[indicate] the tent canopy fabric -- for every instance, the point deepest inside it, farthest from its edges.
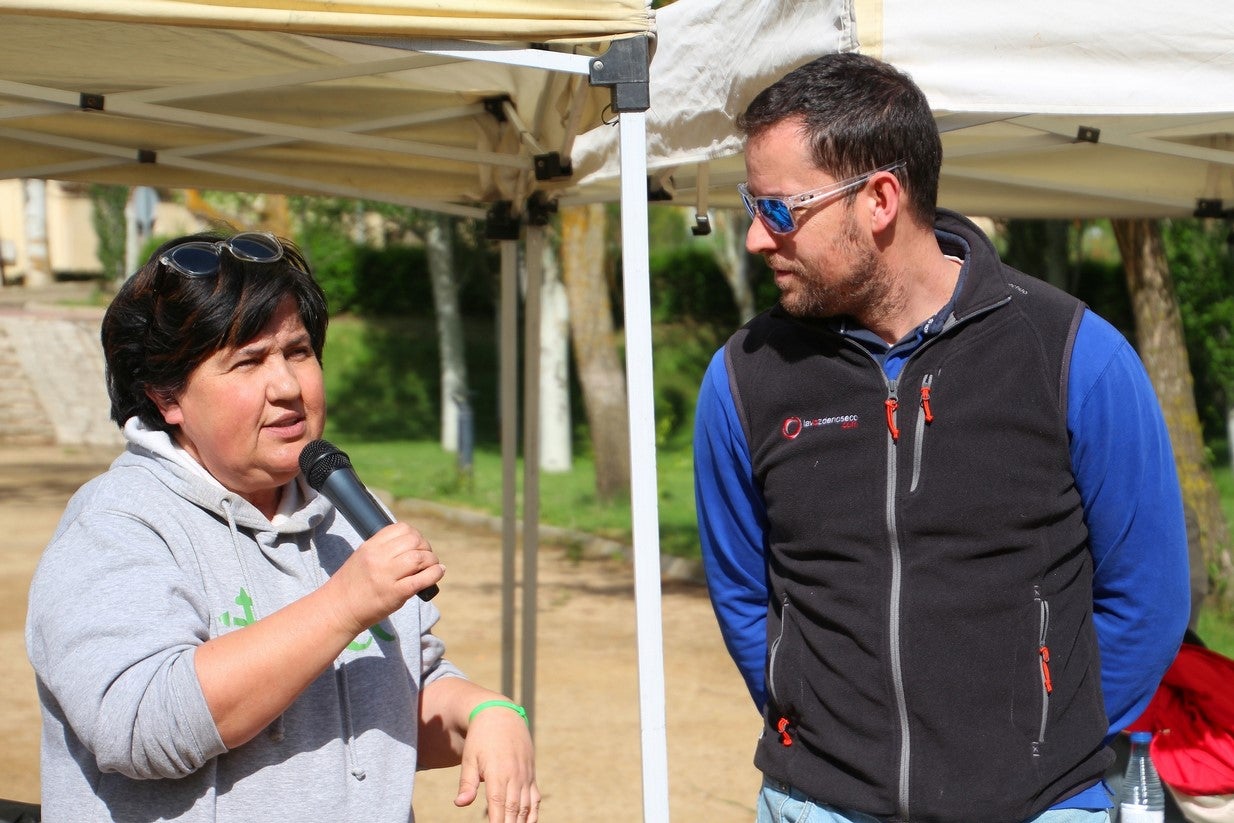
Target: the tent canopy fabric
(536, 20)
(362, 100)
(1109, 108)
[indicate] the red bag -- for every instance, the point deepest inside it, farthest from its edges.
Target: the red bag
(1192, 718)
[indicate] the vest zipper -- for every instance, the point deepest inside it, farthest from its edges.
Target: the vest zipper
(891, 404)
(894, 598)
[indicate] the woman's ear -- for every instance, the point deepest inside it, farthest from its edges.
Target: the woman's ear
(167, 406)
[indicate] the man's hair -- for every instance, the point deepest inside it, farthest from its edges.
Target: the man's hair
(162, 325)
(858, 113)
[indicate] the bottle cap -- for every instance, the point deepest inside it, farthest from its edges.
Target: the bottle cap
(1141, 737)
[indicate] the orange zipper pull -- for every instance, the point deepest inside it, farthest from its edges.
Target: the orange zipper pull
(925, 404)
(892, 404)
(782, 728)
(1045, 669)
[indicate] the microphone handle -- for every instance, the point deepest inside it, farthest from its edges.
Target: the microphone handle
(344, 489)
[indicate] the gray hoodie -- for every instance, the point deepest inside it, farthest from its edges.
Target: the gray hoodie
(154, 558)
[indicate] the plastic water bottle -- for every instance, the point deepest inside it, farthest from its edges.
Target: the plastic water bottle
(1142, 797)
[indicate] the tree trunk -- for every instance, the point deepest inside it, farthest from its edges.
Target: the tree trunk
(595, 346)
(38, 260)
(730, 253)
(439, 249)
(1040, 247)
(556, 453)
(1159, 336)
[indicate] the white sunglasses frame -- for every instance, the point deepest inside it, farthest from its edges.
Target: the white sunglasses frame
(793, 202)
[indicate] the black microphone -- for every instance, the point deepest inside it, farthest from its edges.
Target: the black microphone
(328, 470)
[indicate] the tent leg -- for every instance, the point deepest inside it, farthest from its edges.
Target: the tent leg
(644, 496)
(534, 261)
(508, 333)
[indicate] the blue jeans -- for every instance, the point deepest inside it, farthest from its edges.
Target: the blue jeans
(783, 804)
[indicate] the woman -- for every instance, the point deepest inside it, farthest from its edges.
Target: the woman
(212, 640)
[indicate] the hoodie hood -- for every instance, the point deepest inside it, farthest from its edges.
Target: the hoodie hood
(301, 508)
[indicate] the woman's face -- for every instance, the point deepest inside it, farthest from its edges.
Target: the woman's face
(247, 412)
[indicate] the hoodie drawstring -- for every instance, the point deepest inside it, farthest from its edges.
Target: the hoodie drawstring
(277, 729)
(340, 675)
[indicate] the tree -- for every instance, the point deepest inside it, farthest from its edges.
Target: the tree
(730, 251)
(595, 346)
(1042, 248)
(556, 453)
(1159, 336)
(455, 391)
(110, 228)
(38, 266)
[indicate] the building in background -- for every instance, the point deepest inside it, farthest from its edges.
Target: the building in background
(71, 247)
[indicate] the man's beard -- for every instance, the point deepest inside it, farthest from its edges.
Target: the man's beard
(862, 292)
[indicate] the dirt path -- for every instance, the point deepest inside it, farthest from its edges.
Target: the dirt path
(587, 725)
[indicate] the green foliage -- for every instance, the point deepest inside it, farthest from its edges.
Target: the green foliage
(382, 377)
(682, 352)
(107, 217)
(389, 276)
(686, 282)
(391, 282)
(1203, 275)
(374, 387)
(331, 255)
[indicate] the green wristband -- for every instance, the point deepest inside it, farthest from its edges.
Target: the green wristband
(505, 704)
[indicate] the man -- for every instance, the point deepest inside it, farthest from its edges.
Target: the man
(940, 519)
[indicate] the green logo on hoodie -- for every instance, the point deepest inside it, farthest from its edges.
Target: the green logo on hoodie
(245, 602)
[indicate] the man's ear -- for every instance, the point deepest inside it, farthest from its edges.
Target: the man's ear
(886, 199)
(167, 406)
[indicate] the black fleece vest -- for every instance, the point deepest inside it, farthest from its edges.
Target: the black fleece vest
(931, 652)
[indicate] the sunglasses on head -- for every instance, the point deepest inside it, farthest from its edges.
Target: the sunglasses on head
(202, 258)
(777, 212)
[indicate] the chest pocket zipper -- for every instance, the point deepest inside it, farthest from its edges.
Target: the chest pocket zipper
(925, 418)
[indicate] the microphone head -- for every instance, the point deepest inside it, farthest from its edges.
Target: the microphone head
(318, 459)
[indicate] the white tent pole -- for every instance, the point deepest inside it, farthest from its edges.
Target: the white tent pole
(508, 334)
(644, 504)
(534, 262)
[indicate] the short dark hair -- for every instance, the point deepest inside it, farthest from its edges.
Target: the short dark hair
(858, 113)
(162, 325)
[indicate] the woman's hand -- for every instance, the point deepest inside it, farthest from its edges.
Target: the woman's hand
(381, 575)
(492, 745)
(498, 751)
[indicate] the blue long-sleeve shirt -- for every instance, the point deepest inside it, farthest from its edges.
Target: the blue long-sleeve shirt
(1124, 469)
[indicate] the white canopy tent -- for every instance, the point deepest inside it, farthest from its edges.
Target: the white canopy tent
(465, 107)
(1108, 108)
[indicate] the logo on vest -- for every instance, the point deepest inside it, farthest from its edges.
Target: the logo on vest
(792, 427)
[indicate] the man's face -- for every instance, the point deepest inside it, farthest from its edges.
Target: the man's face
(829, 265)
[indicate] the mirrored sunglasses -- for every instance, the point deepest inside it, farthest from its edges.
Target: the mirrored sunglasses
(202, 258)
(777, 212)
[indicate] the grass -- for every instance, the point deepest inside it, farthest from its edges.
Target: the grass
(420, 469)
